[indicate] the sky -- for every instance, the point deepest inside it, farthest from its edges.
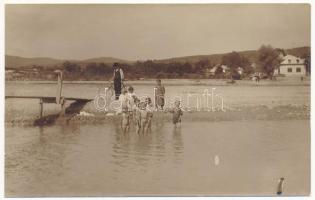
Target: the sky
(140, 32)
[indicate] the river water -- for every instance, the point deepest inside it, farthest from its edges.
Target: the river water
(202, 158)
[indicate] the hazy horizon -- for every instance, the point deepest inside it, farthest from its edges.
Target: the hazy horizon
(141, 59)
(141, 32)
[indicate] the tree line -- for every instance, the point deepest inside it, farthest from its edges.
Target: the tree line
(138, 70)
(267, 60)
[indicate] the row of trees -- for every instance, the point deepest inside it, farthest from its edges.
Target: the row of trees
(147, 69)
(234, 61)
(266, 60)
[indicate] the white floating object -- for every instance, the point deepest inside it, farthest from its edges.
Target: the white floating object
(83, 113)
(216, 160)
(110, 114)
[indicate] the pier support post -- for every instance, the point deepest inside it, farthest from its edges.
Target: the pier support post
(63, 108)
(41, 107)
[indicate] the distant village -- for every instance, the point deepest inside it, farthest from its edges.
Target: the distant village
(290, 66)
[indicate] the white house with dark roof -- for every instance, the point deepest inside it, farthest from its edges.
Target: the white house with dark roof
(291, 66)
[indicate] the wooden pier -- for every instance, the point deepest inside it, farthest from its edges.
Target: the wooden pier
(58, 99)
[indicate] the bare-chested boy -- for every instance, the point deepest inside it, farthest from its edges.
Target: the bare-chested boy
(141, 118)
(177, 114)
(124, 109)
(150, 109)
(131, 98)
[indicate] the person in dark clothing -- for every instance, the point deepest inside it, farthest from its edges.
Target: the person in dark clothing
(118, 78)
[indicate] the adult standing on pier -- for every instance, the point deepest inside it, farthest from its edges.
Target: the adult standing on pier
(118, 80)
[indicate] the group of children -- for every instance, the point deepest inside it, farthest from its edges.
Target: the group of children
(140, 113)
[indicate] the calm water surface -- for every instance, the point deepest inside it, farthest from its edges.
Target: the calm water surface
(219, 158)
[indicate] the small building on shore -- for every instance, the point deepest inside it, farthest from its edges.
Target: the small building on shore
(291, 66)
(240, 70)
(211, 71)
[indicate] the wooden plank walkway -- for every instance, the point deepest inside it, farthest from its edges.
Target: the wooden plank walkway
(48, 98)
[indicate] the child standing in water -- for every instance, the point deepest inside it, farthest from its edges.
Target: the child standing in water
(131, 98)
(177, 113)
(141, 118)
(131, 95)
(150, 109)
(124, 109)
(135, 111)
(159, 93)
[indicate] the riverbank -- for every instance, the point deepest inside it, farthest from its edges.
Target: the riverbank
(281, 81)
(241, 102)
(250, 113)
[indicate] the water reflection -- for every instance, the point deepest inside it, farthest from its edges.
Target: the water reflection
(100, 160)
(129, 150)
(134, 155)
(42, 139)
(178, 145)
(37, 155)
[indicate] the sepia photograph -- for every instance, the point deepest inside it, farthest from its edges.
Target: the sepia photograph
(124, 100)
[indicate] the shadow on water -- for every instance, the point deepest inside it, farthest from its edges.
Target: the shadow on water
(73, 109)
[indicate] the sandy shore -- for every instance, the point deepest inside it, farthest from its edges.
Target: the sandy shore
(283, 99)
(287, 112)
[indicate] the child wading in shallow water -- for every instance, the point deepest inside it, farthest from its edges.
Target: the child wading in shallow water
(135, 111)
(159, 95)
(131, 98)
(125, 107)
(141, 118)
(150, 109)
(177, 113)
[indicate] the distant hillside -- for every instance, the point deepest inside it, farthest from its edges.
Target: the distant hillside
(192, 59)
(106, 60)
(17, 61)
(299, 52)
(216, 58)
(252, 55)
